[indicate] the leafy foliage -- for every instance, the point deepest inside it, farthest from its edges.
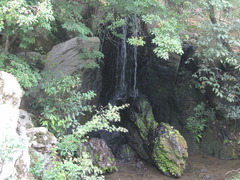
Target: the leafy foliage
(216, 43)
(76, 168)
(170, 22)
(166, 35)
(59, 103)
(102, 120)
(165, 30)
(26, 75)
(197, 123)
(69, 14)
(77, 161)
(20, 18)
(37, 165)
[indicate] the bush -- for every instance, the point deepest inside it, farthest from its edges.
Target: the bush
(197, 123)
(76, 160)
(26, 75)
(59, 102)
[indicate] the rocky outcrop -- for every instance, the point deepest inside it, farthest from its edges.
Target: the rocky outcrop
(14, 157)
(156, 143)
(220, 138)
(169, 151)
(41, 142)
(76, 56)
(102, 155)
(157, 79)
(126, 153)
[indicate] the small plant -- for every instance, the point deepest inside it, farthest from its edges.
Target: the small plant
(197, 123)
(37, 165)
(9, 145)
(74, 169)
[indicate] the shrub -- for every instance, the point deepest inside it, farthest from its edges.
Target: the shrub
(59, 102)
(197, 123)
(76, 160)
(26, 75)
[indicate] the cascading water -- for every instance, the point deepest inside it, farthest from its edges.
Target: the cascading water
(121, 86)
(127, 63)
(135, 50)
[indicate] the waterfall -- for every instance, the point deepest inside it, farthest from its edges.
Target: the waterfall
(121, 84)
(135, 50)
(123, 56)
(127, 61)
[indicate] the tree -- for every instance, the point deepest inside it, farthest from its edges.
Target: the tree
(217, 44)
(19, 19)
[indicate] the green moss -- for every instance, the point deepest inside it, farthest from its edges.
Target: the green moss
(111, 159)
(96, 157)
(109, 169)
(145, 121)
(166, 165)
(169, 152)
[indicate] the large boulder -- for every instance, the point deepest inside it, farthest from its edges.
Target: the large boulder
(68, 58)
(14, 157)
(169, 151)
(156, 143)
(76, 56)
(141, 126)
(102, 155)
(41, 145)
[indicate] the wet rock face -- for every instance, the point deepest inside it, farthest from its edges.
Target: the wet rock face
(126, 153)
(102, 155)
(169, 151)
(157, 78)
(14, 157)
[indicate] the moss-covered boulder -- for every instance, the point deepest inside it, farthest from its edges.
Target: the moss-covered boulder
(169, 151)
(144, 119)
(156, 143)
(102, 155)
(140, 122)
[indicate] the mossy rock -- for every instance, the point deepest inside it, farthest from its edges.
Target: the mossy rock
(102, 156)
(144, 118)
(221, 141)
(169, 151)
(126, 153)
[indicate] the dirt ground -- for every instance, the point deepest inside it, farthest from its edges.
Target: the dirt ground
(198, 167)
